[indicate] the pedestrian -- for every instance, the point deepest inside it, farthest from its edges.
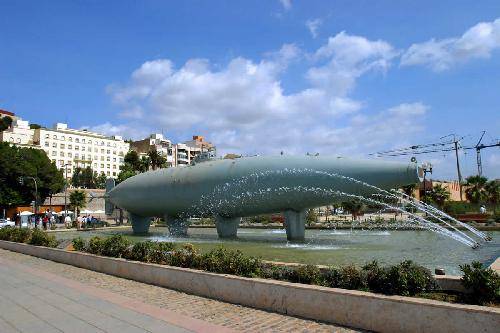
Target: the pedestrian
(67, 221)
(45, 220)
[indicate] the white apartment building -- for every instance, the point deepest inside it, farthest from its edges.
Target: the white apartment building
(80, 148)
(180, 154)
(19, 133)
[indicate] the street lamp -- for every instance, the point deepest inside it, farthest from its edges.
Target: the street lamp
(21, 181)
(427, 168)
(65, 189)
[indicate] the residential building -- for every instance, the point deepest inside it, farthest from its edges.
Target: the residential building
(155, 142)
(5, 113)
(180, 154)
(19, 133)
(82, 148)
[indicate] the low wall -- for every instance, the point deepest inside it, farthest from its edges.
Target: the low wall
(346, 307)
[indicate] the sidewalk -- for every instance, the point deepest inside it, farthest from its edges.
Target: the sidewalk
(36, 301)
(38, 295)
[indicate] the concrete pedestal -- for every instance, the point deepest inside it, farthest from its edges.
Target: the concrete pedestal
(177, 226)
(140, 224)
(227, 227)
(295, 224)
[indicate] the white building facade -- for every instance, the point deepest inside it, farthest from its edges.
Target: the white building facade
(19, 133)
(70, 148)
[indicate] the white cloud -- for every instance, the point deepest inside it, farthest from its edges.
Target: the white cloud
(287, 4)
(313, 26)
(348, 57)
(439, 55)
(242, 107)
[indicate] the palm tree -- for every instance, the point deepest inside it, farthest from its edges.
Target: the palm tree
(410, 189)
(354, 207)
(156, 160)
(475, 191)
(78, 200)
(492, 189)
(439, 195)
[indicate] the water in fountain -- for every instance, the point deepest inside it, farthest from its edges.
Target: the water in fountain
(215, 203)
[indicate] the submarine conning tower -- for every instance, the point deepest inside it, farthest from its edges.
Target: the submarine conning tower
(229, 189)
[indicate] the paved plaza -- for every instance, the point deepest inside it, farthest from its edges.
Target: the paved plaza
(38, 295)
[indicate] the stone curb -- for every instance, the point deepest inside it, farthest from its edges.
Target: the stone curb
(352, 308)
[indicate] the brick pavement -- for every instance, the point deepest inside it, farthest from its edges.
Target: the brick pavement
(213, 312)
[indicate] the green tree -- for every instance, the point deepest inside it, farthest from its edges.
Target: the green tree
(476, 191)
(5, 123)
(492, 189)
(83, 178)
(311, 217)
(355, 207)
(100, 180)
(132, 159)
(438, 195)
(78, 200)
(156, 160)
(16, 162)
(410, 189)
(35, 126)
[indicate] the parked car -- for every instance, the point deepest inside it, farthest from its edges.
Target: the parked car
(6, 223)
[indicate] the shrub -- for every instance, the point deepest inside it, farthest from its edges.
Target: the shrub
(309, 274)
(6, 233)
(222, 260)
(187, 256)
(156, 252)
(115, 246)
(79, 244)
(375, 276)
(351, 278)
(483, 282)
(95, 245)
(332, 277)
(282, 273)
(408, 279)
(20, 235)
(42, 238)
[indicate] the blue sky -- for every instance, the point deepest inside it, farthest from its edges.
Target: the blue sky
(342, 77)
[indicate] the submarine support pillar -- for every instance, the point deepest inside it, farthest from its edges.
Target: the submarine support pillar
(177, 226)
(295, 224)
(140, 224)
(227, 227)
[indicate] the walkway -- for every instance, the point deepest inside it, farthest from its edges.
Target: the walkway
(38, 295)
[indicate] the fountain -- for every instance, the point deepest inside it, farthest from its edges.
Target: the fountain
(229, 189)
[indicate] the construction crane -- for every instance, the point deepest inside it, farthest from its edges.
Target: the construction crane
(478, 148)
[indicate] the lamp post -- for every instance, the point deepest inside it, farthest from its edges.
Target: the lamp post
(65, 189)
(427, 169)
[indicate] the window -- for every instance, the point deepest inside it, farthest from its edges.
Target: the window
(95, 165)
(54, 137)
(62, 146)
(96, 150)
(114, 159)
(108, 151)
(70, 155)
(89, 149)
(102, 151)
(102, 165)
(102, 143)
(77, 156)
(109, 144)
(70, 139)
(46, 142)
(121, 160)
(54, 153)
(114, 173)
(63, 137)
(114, 152)
(102, 158)
(70, 146)
(90, 142)
(108, 166)
(18, 140)
(77, 147)
(77, 140)
(83, 157)
(83, 140)
(95, 157)
(47, 136)
(108, 159)
(61, 154)
(108, 173)
(114, 166)
(54, 145)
